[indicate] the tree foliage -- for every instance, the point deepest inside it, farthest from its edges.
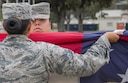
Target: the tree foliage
(80, 8)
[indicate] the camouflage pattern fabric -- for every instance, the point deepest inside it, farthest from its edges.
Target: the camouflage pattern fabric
(40, 10)
(25, 61)
(18, 10)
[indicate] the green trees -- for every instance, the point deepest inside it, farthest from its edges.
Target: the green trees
(62, 9)
(79, 8)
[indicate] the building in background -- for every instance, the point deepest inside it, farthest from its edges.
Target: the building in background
(29, 1)
(112, 19)
(121, 4)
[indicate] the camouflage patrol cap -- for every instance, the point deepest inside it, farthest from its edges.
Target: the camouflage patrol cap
(18, 10)
(40, 10)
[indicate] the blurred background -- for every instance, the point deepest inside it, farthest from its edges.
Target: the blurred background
(84, 15)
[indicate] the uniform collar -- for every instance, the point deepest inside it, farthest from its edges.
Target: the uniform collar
(17, 37)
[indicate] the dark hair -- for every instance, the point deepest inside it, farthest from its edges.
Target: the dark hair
(16, 26)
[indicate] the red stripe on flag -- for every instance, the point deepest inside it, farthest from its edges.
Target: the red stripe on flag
(2, 36)
(125, 38)
(70, 40)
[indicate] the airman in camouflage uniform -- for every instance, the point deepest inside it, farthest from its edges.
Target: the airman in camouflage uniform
(25, 61)
(40, 13)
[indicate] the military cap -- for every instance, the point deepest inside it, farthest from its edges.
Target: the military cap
(18, 10)
(40, 10)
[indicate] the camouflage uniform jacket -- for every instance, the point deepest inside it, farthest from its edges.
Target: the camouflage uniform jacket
(25, 61)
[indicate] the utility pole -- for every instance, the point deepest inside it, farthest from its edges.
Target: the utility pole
(17, 1)
(6, 1)
(33, 1)
(29, 1)
(23, 0)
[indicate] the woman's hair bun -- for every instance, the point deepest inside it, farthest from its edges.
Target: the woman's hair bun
(13, 23)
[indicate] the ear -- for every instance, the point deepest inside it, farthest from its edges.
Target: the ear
(28, 30)
(3, 26)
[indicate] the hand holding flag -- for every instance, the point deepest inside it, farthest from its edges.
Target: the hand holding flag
(112, 36)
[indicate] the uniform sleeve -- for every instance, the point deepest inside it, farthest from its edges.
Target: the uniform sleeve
(66, 62)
